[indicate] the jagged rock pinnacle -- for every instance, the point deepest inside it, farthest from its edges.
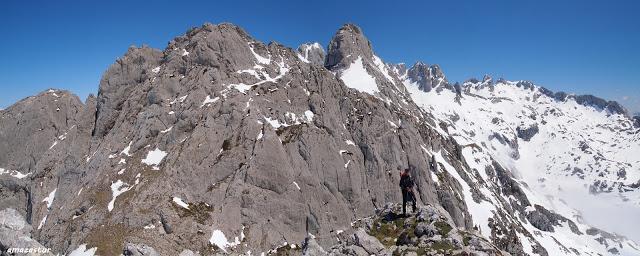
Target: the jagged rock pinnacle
(347, 44)
(427, 76)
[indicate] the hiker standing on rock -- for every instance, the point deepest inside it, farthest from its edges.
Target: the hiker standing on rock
(406, 185)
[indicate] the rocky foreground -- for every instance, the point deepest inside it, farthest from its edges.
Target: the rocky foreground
(428, 231)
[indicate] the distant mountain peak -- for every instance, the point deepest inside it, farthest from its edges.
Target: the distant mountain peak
(427, 76)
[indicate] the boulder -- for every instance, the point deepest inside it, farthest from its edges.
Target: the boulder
(368, 243)
(132, 249)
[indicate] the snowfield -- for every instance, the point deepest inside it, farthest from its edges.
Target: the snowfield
(575, 160)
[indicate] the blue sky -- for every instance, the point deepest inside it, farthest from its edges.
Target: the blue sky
(584, 47)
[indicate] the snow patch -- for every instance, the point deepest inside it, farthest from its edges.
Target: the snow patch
(260, 59)
(179, 99)
(137, 178)
(241, 87)
(83, 251)
(167, 130)
(208, 100)
(117, 189)
(49, 198)
(218, 239)
(13, 173)
(274, 122)
(357, 77)
(126, 150)
(54, 144)
(181, 203)
(383, 68)
(309, 115)
(252, 72)
(44, 220)
(154, 157)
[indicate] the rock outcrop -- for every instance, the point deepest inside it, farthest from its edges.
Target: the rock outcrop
(428, 231)
(526, 133)
(15, 233)
(588, 100)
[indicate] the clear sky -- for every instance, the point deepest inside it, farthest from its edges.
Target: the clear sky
(584, 47)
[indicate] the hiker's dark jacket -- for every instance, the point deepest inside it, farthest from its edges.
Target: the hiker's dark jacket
(406, 182)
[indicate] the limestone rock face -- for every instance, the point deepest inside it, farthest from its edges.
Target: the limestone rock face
(254, 143)
(243, 142)
(347, 44)
(36, 133)
(119, 81)
(15, 233)
(33, 125)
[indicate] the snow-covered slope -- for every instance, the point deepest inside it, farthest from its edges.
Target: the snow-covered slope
(579, 161)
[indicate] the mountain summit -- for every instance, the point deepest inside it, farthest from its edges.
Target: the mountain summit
(220, 144)
(346, 45)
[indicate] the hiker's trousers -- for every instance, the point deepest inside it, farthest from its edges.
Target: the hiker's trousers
(408, 196)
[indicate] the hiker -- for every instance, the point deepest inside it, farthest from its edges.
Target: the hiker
(406, 185)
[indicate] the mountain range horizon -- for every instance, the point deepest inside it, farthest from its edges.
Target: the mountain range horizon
(582, 47)
(630, 111)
